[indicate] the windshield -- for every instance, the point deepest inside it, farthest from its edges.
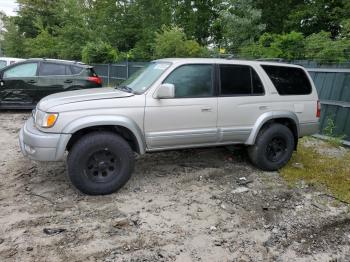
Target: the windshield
(141, 80)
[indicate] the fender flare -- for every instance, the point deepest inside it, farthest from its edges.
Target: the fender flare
(104, 120)
(269, 116)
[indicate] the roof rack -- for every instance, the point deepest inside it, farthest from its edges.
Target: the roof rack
(280, 60)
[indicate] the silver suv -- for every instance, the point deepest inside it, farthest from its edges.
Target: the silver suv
(173, 104)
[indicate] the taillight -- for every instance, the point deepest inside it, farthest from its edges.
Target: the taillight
(318, 112)
(95, 79)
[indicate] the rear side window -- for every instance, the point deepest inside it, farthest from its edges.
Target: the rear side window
(237, 80)
(51, 69)
(288, 80)
(91, 72)
(87, 72)
(76, 70)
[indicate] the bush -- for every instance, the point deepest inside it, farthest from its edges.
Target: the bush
(99, 52)
(322, 48)
(288, 46)
(172, 42)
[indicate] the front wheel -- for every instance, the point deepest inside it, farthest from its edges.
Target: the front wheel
(273, 148)
(100, 163)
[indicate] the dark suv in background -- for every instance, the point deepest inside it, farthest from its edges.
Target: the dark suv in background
(23, 84)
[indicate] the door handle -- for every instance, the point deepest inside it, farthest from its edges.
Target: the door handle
(206, 109)
(31, 81)
(68, 81)
(263, 107)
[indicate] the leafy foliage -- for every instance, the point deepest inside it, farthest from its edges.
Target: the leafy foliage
(172, 42)
(143, 30)
(99, 52)
(287, 46)
(241, 24)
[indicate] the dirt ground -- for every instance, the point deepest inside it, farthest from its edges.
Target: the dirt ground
(189, 205)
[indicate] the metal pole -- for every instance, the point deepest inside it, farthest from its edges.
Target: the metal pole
(127, 67)
(108, 73)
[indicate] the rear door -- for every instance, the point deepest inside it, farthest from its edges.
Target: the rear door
(18, 85)
(53, 78)
(241, 101)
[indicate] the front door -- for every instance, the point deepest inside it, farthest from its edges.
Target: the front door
(188, 119)
(18, 85)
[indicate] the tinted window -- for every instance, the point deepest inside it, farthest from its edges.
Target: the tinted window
(192, 80)
(23, 70)
(76, 70)
(50, 69)
(288, 80)
(239, 80)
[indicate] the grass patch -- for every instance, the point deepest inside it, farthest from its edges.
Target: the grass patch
(320, 170)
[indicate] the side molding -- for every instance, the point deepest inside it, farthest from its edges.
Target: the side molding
(101, 120)
(268, 116)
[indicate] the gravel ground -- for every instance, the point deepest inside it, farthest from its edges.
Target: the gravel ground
(189, 205)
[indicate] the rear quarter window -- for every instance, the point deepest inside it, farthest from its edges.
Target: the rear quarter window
(76, 70)
(87, 72)
(289, 80)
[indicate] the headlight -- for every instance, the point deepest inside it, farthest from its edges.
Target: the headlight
(44, 119)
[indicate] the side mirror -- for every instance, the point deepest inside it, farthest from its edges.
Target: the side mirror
(165, 91)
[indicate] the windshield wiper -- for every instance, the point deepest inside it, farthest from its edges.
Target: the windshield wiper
(125, 88)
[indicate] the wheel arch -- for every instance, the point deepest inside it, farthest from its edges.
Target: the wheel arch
(123, 126)
(287, 118)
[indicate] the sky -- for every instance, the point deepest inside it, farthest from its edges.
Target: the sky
(8, 6)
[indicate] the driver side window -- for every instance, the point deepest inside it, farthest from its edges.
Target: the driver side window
(23, 70)
(192, 80)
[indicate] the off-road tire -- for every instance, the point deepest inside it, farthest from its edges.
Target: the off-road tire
(260, 153)
(100, 163)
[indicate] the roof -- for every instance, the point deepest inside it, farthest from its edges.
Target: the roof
(224, 61)
(60, 61)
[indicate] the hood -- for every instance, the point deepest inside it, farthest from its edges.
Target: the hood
(79, 96)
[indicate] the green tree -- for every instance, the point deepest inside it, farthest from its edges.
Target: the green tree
(43, 45)
(99, 52)
(240, 24)
(172, 42)
(197, 18)
(274, 13)
(73, 31)
(321, 47)
(29, 12)
(13, 42)
(311, 17)
(287, 46)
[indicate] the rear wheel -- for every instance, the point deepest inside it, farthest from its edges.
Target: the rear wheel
(273, 148)
(100, 163)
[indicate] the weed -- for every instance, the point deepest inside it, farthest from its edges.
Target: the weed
(335, 140)
(321, 171)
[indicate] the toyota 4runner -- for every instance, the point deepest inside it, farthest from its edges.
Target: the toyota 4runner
(174, 104)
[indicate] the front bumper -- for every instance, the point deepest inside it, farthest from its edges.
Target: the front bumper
(42, 146)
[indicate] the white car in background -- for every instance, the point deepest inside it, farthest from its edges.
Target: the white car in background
(6, 61)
